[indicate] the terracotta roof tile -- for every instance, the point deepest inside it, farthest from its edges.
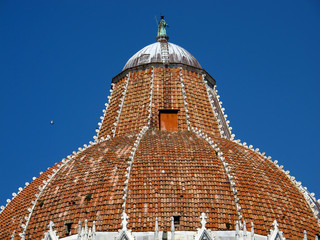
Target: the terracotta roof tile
(172, 173)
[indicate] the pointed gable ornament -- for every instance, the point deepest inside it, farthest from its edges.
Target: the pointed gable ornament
(51, 234)
(205, 236)
(124, 233)
(203, 233)
(203, 220)
(275, 234)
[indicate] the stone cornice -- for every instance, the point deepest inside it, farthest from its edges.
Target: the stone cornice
(209, 78)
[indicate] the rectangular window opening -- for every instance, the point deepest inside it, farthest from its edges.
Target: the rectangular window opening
(68, 229)
(176, 220)
(168, 119)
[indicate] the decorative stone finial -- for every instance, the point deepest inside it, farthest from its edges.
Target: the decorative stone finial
(162, 32)
(94, 227)
(50, 235)
(51, 225)
(203, 220)
(79, 229)
(172, 228)
(237, 231)
(245, 229)
(86, 233)
(275, 225)
(156, 229)
(252, 230)
(124, 222)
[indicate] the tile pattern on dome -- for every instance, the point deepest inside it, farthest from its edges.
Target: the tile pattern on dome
(88, 187)
(157, 96)
(167, 95)
(111, 114)
(199, 108)
(178, 174)
(13, 215)
(266, 194)
(134, 114)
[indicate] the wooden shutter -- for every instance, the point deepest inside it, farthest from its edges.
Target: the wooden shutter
(168, 120)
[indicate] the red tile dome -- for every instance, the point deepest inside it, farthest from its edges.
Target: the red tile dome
(173, 173)
(164, 148)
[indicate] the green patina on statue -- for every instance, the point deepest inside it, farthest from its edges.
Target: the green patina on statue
(162, 33)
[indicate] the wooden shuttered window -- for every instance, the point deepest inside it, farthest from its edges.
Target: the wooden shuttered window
(168, 120)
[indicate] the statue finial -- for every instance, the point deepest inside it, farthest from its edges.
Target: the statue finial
(162, 33)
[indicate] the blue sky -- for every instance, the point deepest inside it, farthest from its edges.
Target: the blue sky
(57, 60)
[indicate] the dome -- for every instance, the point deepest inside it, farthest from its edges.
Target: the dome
(173, 173)
(152, 54)
(164, 164)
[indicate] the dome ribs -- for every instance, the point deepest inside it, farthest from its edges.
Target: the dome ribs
(167, 99)
(266, 194)
(134, 173)
(123, 98)
(89, 187)
(151, 97)
(128, 172)
(135, 110)
(13, 215)
(218, 111)
(181, 176)
(113, 108)
(199, 109)
(104, 114)
(185, 104)
(192, 166)
(158, 88)
(230, 176)
(157, 96)
(170, 80)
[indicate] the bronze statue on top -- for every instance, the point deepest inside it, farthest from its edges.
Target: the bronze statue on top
(162, 33)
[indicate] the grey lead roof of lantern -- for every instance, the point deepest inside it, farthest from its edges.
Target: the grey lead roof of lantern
(152, 54)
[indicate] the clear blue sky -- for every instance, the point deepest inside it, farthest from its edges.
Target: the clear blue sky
(57, 59)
